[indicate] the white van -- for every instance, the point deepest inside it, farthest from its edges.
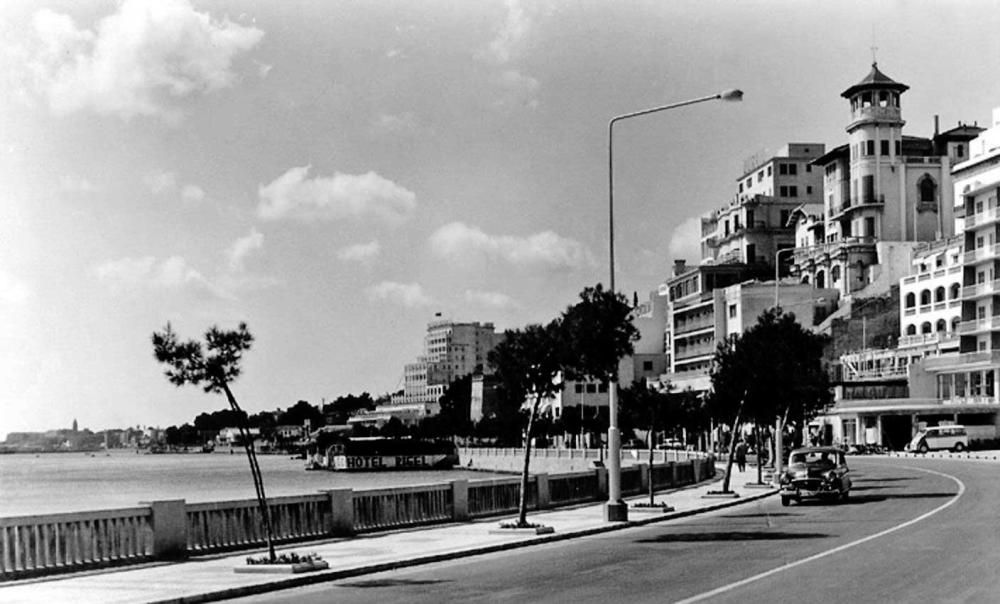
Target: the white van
(954, 438)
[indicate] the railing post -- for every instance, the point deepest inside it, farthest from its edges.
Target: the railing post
(673, 473)
(643, 477)
(696, 469)
(544, 499)
(169, 523)
(341, 512)
(460, 500)
(602, 481)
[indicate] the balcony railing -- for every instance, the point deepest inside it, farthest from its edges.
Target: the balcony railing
(981, 289)
(978, 325)
(982, 253)
(990, 215)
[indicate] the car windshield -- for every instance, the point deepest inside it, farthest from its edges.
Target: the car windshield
(814, 458)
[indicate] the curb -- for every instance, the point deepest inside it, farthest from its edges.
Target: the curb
(335, 575)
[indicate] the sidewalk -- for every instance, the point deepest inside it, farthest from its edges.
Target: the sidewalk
(212, 578)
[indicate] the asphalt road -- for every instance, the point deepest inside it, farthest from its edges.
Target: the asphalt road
(915, 530)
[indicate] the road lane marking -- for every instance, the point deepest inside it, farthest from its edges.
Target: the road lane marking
(726, 588)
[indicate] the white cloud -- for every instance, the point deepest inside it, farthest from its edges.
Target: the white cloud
(263, 69)
(395, 123)
(13, 291)
(511, 38)
(161, 181)
(137, 61)
(73, 184)
(685, 241)
(495, 300)
(192, 193)
(238, 252)
(516, 89)
(138, 273)
(410, 295)
(294, 194)
(361, 252)
(459, 242)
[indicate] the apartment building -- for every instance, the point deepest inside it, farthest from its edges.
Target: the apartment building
(883, 191)
(755, 224)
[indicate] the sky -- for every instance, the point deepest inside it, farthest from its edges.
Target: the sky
(335, 173)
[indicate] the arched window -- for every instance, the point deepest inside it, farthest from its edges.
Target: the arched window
(939, 294)
(926, 327)
(835, 274)
(942, 326)
(925, 297)
(911, 330)
(954, 324)
(927, 189)
(911, 300)
(805, 279)
(821, 279)
(956, 291)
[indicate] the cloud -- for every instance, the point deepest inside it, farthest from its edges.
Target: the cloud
(147, 273)
(410, 295)
(685, 241)
(362, 252)
(139, 60)
(263, 69)
(459, 242)
(192, 193)
(238, 252)
(13, 291)
(160, 181)
(72, 184)
(294, 194)
(495, 300)
(511, 38)
(516, 89)
(400, 123)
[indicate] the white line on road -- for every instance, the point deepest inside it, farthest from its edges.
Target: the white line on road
(725, 588)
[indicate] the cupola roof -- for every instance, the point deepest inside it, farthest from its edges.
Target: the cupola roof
(875, 80)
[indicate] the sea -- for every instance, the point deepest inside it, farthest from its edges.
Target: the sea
(48, 483)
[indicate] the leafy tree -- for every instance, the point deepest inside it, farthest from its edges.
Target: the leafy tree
(598, 333)
(393, 428)
(297, 414)
(456, 407)
(213, 365)
(528, 363)
(772, 370)
(343, 407)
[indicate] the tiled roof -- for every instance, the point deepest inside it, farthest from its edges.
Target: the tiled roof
(874, 79)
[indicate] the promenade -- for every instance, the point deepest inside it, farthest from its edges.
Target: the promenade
(212, 578)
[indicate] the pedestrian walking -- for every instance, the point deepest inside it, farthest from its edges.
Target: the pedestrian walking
(741, 455)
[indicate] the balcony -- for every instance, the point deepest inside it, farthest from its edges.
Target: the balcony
(987, 217)
(688, 353)
(928, 339)
(988, 252)
(981, 289)
(962, 361)
(685, 327)
(979, 325)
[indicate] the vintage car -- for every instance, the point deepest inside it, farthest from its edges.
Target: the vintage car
(815, 472)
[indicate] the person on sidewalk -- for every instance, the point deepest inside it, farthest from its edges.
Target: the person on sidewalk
(741, 456)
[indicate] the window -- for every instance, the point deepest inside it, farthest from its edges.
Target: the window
(793, 191)
(926, 327)
(732, 311)
(911, 330)
(749, 182)
(939, 294)
(809, 190)
(760, 176)
(809, 168)
(769, 170)
(927, 189)
(959, 151)
(602, 387)
(835, 274)
(783, 191)
(793, 169)
(647, 365)
(869, 147)
(899, 148)
(884, 147)
(942, 326)
(870, 226)
(955, 291)
(868, 188)
(911, 300)
(591, 388)
(925, 297)
(578, 388)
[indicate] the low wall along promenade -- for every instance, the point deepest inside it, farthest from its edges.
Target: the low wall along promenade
(162, 530)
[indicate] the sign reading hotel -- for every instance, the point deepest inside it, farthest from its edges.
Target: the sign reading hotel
(386, 462)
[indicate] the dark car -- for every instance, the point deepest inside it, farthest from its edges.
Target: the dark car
(819, 472)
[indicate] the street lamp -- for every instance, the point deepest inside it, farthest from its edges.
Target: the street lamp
(778, 427)
(616, 510)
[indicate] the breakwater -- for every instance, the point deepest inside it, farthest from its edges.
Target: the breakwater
(53, 543)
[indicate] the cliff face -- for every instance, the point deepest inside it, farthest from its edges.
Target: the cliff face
(872, 323)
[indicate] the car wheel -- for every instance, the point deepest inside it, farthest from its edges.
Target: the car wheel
(785, 501)
(959, 447)
(923, 448)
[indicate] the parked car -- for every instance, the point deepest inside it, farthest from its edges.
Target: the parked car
(670, 443)
(818, 472)
(937, 438)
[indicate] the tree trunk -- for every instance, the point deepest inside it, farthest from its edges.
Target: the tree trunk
(758, 442)
(732, 447)
(522, 506)
(258, 480)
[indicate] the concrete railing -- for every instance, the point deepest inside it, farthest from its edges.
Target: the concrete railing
(161, 530)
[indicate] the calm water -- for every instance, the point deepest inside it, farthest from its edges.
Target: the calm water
(68, 482)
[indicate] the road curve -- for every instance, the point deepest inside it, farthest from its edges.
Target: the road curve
(911, 532)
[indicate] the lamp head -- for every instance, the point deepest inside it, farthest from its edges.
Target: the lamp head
(733, 94)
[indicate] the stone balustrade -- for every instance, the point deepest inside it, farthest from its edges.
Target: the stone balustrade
(159, 530)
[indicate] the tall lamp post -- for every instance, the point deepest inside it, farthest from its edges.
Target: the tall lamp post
(616, 510)
(778, 427)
